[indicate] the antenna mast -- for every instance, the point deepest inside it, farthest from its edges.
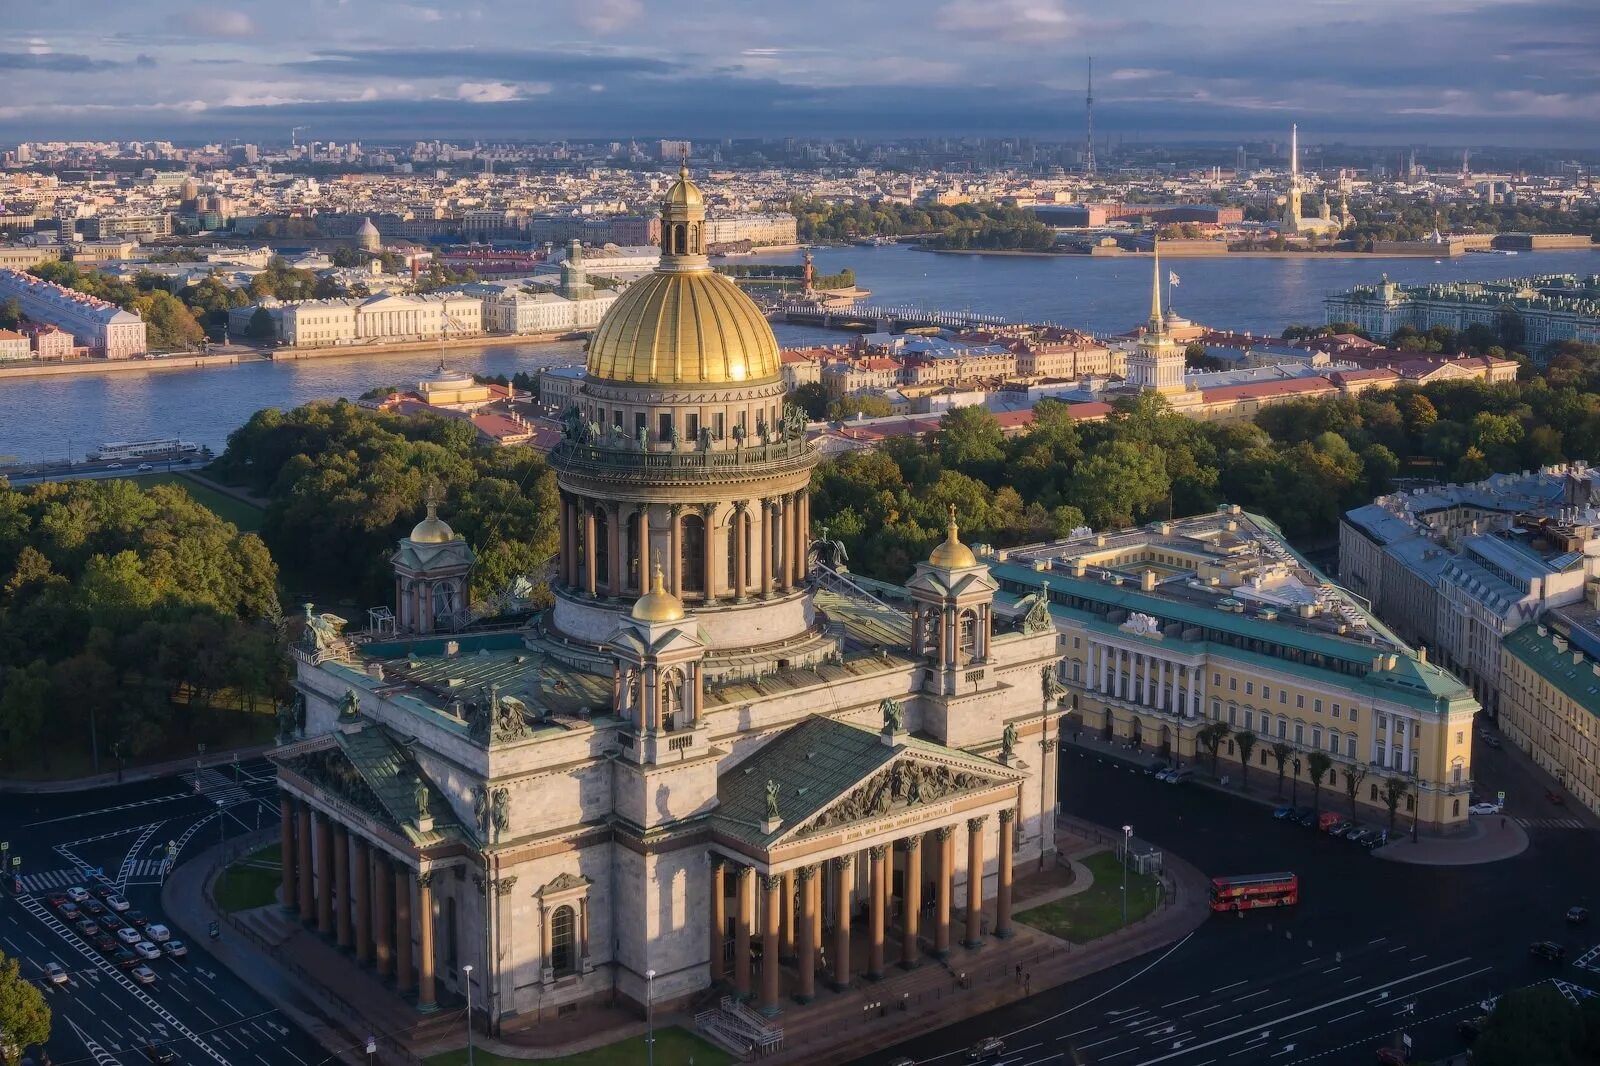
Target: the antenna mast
(1088, 109)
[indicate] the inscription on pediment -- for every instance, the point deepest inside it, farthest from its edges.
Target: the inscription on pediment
(903, 785)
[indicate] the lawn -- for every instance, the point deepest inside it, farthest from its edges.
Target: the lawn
(250, 882)
(241, 514)
(1097, 910)
(674, 1047)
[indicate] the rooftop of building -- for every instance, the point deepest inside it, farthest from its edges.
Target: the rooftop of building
(1554, 653)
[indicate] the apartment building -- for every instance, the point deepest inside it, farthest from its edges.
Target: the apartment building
(105, 329)
(1550, 698)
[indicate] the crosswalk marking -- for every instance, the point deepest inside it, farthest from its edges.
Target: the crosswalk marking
(33, 884)
(218, 787)
(1550, 823)
(1589, 960)
(145, 871)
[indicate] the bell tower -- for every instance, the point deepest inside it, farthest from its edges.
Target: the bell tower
(683, 225)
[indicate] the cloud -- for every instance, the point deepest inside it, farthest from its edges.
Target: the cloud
(479, 63)
(1007, 20)
(61, 62)
(498, 92)
(607, 16)
(214, 22)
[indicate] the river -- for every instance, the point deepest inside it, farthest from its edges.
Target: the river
(58, 417)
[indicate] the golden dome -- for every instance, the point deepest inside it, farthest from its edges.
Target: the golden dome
(692, 327)
(952, 554)
(658, 605)
(432, 530)
(684, 192)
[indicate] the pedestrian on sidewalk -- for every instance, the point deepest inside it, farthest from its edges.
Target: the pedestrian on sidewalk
(1019, 973)
(1027, 983)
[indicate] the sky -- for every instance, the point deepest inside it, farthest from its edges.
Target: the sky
(1445, 72)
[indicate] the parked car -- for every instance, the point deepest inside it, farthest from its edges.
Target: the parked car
(143, 974)
(125, 959)
(55, 973)
(106, 942)
(1305, 816)
(1555, 797)
(159, 1053)
(56, 899)
(129, 935)
(1577, 915)
(116, 903)
(157, 932)
(93, 908)
(143, 467)
(1349, 829)
(69, 912)
(87, 928)
(1179, 776)
(77, 893)
(1392, 1056)
(135, 918)
(1166, 775)
(1547, 950)
(1484, 808)
(111, 921)
(990, 1047)
(1156, 769)
(1335, 826)
(1282, 812)
(146, 950)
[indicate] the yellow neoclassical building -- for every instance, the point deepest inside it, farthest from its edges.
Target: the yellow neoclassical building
(1170, 627)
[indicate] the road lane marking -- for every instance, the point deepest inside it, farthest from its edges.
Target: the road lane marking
(1297, 1032)
(1377, 940)
(1342, 1017)
(1175, 1002)
(1116, 1054)
(1269, 1006)
(1331, 1003)
(1353, 980)
(1222, 1021)
(1035, 1062)
(1236, 984)
(1418, 958)
(1250, 995)
(1330, 969)
(1202, 1010)
(1097, 1043)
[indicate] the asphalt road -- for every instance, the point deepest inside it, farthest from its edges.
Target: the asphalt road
(119, 835)
(1374, 949)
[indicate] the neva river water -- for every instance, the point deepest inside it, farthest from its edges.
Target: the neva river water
(44, 418)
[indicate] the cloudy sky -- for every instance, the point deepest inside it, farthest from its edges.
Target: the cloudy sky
(1389, 71)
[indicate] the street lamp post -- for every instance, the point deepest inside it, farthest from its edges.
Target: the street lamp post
(1127, 838)
(650, 1017)
(467, 969)
(372, 1050)
(222, 840)
(1294, 786)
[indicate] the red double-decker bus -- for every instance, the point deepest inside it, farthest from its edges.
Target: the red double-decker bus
(1249, 891)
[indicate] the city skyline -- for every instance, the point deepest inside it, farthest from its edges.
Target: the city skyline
(1447, 71)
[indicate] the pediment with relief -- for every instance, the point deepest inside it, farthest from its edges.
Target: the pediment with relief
(899, 787)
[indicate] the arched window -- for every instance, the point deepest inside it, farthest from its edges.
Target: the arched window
(444, 601)
(563, 938)
(602, 549)
(692, 557)
(969, 634)
(1455, 808)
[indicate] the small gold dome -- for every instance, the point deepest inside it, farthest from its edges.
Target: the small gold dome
(658, 605)
(952, 554)
(684, 192)
(432, 530)
(686, 328)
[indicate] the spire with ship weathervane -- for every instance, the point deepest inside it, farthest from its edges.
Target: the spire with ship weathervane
(1155, 286)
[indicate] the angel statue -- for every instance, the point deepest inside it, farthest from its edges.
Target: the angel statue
(480, 809)
(502, 811)
(893, 715)
(1008, 742)
(420, 798)
(351, 706)
(772, 800)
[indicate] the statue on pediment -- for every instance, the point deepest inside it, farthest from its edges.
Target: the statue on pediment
(1142, 625)
(505, 716)
(1037, 617)
(894, 713)
(1008, 742)
(794, 422)
(419, 798)
(501, 814)
(772, 801)
(1051, 683)
(480, 810)
(350, 706)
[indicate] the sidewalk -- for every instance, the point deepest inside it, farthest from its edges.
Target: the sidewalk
(211, 760)
(1489, 838)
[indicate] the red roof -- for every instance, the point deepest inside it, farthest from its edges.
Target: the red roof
(1088, 412)
(1377, 373)
(1257, 390)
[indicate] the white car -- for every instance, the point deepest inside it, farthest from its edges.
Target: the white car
(143, 974)
(129, 935)
(1484, 808)
(144, 467)
(146, 950)
(175, 948)
(116, 903)
(78, 894)
(54, 973)
(158, 933)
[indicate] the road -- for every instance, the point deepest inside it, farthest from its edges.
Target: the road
(1374, 949)
(118, 836)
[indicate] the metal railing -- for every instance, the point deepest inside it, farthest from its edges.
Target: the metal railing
(777, 457)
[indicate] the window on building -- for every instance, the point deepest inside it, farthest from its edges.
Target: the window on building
(1352, 714)
(1283, 697)
(1249, 688)
(1336, 710)
(1216, 679)
(1283, 728)
(1411, 802)
(1333, 779)
(1299, 700)
(1316, 737)
(693, 428)
(1333, 743)
(1264, 754)
(1458, 736)
(1316, 706)
(1455, 808)
(1074, 642)
(1374, 793)
(1266, 692)
(1233, 684)
(1249, 719)
(563, 941)
(664, 428)
(640, 424)
(1350, 747)
(717, 425)
(1216, 710)
(1299, 732)
(1075, 666)
(1233, 716)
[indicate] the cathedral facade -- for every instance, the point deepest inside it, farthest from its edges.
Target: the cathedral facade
(715, 760)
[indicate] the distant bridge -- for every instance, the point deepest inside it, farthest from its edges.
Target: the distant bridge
(886, 319)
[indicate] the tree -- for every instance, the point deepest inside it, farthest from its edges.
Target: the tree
(10, 314)
(1247, 744)
(24, 1017)
(1212, 734)
(1280, 755)
(970, 436)
(168, 323)
(262, 327)
(1353, 776)
(866, 404)
(1117, 485)
(1317, 766)
(812, 398)
(1394, 790)
(1536, 1024)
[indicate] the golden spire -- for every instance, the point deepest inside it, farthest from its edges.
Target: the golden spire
(658, 605)
(1155, 286)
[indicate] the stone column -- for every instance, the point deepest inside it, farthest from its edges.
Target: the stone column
(569, 543)
(1002, 913)
(287, 890)
(739, 531)
(362, 879)
(771, 924)
(591, 583)
(425, 1000)
(878, 888)
(841, 929)
(805, 531)
(788, 915)
(303, 863)
(708, 517)
(784, 533)
(383, 913)
(615, 567)
(719, 916)
(341, 881)
(745, 886)
(944, 840)
(645, 576)
(912, 920)
(405, 976)
(768, 514)
(975, 882)
(324, 875)
(806, 946)
(675, 549)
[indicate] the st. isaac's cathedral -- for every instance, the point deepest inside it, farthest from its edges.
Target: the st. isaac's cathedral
(715, 760)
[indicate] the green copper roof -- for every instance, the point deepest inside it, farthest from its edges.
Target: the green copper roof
(1576, 680)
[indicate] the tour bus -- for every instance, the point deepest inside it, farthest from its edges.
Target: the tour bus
(1249, 891)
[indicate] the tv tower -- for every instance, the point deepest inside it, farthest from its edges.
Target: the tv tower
(1088, 111)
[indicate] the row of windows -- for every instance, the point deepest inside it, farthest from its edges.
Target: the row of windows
(691, 423)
